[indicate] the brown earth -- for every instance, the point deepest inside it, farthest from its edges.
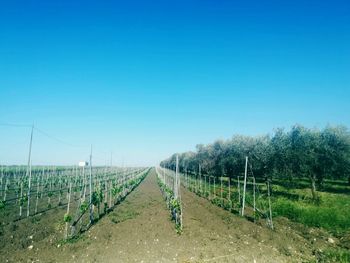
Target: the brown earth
(140, 230)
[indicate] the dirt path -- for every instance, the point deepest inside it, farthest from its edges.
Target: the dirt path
(140, 230)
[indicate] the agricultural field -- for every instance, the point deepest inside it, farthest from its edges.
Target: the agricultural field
(299, 177)
(139, 225)
(249, 199)
(175, 131)
(60, 201)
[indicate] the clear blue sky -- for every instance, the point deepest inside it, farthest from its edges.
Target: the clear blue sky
(145, 79)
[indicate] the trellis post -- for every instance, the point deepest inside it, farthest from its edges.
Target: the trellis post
(29, 170)
(91, 210)
(244, 185)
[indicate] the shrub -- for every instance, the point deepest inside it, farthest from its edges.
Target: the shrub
(83, 207)
(67, 218)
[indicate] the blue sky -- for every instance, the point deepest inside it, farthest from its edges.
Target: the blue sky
(145, 79)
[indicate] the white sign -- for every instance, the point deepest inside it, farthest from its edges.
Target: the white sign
(82, 164)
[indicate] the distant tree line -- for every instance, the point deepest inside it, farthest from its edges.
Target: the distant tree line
(300, 152)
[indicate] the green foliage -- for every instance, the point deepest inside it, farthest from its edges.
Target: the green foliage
(216, 201)
(83, 207)
(2, 205)
(67, 218)
(226, 204)
(116, 190)
(332, 215)
(299, 152)
(72, 240)
(333, 256)
(131, 183)
(97, 197)
(329, 211)
(175, 204)
(178, 229)
(23, 200)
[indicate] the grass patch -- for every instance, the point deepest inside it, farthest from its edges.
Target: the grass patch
(293, 200)
(333, 212)
(333, 256)
(71, 240)
(123, 215)
(35, 219)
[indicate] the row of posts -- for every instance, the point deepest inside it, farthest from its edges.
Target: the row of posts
(242, 200)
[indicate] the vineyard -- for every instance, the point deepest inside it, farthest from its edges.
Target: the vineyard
(163, 213)
(47, 188)
(170, 188)
(174, 131)
(185, 210)
(243, 197)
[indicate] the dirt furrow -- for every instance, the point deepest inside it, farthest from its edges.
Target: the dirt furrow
(140, 230)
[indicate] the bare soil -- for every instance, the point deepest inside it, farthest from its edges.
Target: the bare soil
(140, 230)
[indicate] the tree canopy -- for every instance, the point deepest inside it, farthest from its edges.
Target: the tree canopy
(299, 152)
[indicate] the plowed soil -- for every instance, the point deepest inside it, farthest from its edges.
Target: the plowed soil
(140, 230)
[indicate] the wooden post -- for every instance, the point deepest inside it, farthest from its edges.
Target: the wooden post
(244, 185)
